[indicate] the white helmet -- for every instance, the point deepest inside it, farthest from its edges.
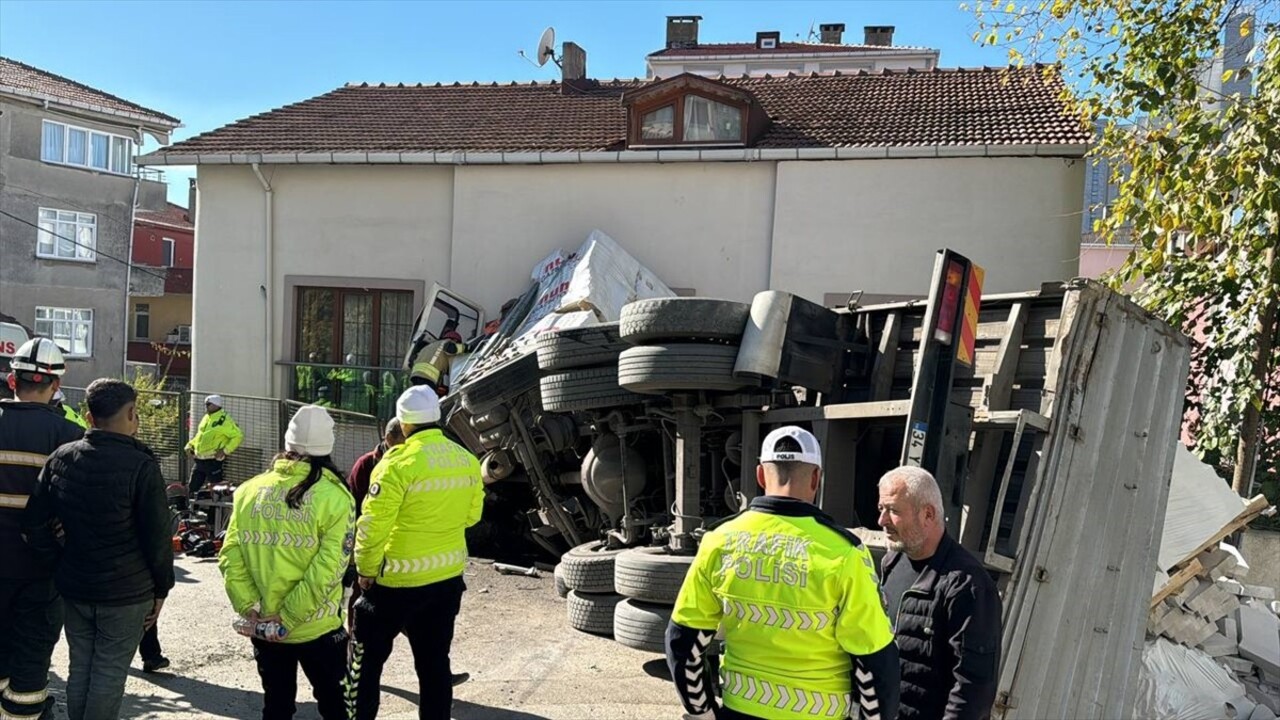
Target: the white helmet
(39, 355)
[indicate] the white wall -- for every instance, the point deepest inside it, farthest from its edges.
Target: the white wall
(697, 225)
(875, 225)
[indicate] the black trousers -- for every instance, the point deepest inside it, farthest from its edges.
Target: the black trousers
(31, 617)
(149, 648)
(425, 615)
(204, 472)
(323, 661)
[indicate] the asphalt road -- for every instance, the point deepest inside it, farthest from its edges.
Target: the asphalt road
(525, 662)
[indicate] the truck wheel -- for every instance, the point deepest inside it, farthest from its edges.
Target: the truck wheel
(492, 419)
(651, 574)
(682, 318)
(584, 389)
(589, 567)
(579, 347)
(562, 590)
(656, 369)
(641, 625)
(509, 381)
(592, 612)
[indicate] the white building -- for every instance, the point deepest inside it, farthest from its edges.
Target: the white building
(322, 225)
(771, 55)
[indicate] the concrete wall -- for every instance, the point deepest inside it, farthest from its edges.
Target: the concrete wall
(1261, 549)
(712, 67)
(722, 229)
(875, 225)
(167, 312)
(27, 184)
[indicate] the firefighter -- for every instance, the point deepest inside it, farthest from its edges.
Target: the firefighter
(411, 550)
(60, 402)
(799, 602)
(433, 361)
(217, 437)
(286, 549)
(30, 608)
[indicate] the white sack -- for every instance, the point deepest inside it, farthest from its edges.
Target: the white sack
(1178, 683)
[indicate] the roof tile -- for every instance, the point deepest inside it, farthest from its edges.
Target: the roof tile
(173, 215)
(25, 77)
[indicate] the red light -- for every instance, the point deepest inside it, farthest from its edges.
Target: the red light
(949, 308)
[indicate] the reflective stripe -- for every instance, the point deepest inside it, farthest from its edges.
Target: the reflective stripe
(783, 618)
(25, 459)
(4, 683)
(444, 483)
(328, 608)
(17, 502)
(776, 695)
(27, 698)
(10, 716)
(253, 537)
(429, 562)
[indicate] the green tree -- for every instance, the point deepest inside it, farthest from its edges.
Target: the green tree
(1197, 157)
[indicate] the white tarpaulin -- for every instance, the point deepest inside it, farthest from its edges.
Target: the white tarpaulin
(1200, 504)
(1178, 683)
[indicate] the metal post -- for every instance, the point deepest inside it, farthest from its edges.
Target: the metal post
(688, 474)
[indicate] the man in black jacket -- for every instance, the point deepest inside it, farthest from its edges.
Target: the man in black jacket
(117, 564)
(30, 610)
(944, 606)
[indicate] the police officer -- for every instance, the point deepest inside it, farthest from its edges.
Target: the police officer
(217, 437)
(797, 597)
(30, 609)
(411, 550)
(60, 402)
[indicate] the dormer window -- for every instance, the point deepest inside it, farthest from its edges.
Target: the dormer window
(768, 40)
(691, 110)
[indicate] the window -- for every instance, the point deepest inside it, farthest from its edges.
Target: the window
(70, 145)
(166, 247)
(707, 120)
(70, 328)
(768, 43)
(142, 321)
(350, 326)
(659, 124)
(690, 118)
(181, 335)
(67, 235)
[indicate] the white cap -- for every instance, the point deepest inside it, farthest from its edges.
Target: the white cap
(213, 400)
(39, 356)
(419, 405)
(310, 432)
(810, 452)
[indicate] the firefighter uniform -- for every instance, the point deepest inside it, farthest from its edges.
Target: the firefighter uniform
(433, 362)
(217, 432)
(411, 540)
(30, 608)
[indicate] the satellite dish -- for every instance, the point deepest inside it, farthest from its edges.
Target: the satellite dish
(547, 46)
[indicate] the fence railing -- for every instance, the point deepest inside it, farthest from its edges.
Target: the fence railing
(167, 420)
(354, 388)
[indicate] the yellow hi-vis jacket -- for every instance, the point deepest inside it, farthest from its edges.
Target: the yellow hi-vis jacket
(70, 413)
(217, 431)
(290, 561)
(796, 595)
(423, 495)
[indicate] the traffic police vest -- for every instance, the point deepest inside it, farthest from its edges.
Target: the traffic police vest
(796, 595)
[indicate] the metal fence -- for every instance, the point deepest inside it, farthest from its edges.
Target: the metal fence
(353, 388)
(167, 420)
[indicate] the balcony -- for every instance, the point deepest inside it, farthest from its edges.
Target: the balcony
(357, 388)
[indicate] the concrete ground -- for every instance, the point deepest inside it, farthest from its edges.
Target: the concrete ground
(525, 662)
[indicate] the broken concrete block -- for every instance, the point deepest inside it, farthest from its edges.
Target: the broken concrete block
(1237, 665)
(1260, 592)
(1229, 628)
(1260, 638)
(1264, 695)
(1275, 606)
(1217, 645)
(1232, 586)
(1262, 712)
(1241, 570)
(1217, 562)
(1213, 603)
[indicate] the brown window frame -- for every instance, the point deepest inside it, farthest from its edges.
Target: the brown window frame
(639, 110)
(339, 295)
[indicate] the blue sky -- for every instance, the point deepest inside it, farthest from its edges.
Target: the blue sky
(211, 63)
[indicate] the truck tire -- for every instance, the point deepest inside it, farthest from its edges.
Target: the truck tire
(589, 567)
(491, 419)
(562, 590)
(579, 347)
(509, 381)
(592, 612)
(682, 318)
(657, 369)
(650, 574)
(641, 626)
(584, 389)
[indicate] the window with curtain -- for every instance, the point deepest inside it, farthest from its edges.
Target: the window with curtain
(99, 157)
(352, 326)
(142, 321)
(70, 328)
(709, 121)
(77, 146)
(659, 124)
(53, 142)
(67, 235)
(70, 145)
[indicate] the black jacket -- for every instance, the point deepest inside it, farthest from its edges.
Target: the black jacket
(29, 432)
(109, 495)
(948, 634)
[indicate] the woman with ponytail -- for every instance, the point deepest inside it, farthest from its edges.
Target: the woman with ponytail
(286, 550)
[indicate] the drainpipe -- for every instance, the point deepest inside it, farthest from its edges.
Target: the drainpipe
(268, 271)
(128, 268)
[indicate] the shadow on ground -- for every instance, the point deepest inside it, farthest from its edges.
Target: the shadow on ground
(463, 710)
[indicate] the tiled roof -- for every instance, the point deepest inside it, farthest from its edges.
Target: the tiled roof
(783, 48)
(891, 108)
(172, 215)
(24, 77)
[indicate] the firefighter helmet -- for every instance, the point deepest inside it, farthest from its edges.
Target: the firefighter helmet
(39, 356)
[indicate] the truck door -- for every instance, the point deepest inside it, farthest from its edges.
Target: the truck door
(445, 311)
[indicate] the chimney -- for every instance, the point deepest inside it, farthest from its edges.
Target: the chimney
(573, 62)
(191, 200)
(831, 33)
(682, 31)
(881, 35)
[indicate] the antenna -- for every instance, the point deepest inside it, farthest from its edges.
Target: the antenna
(546, 49)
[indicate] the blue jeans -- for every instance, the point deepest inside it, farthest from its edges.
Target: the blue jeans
(102, 640)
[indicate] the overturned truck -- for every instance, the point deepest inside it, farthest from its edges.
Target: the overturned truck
(617, 422)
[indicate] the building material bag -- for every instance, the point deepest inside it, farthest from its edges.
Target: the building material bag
(1178, 683)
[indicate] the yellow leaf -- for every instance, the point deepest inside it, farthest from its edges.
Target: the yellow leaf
(992, 39)
(1115, 30)
(1011, 8)
(1227, 75)
(1246, 27)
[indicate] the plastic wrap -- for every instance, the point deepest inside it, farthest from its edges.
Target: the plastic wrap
(1178, 683)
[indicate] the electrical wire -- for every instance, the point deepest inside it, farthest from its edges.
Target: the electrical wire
(126, 263)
